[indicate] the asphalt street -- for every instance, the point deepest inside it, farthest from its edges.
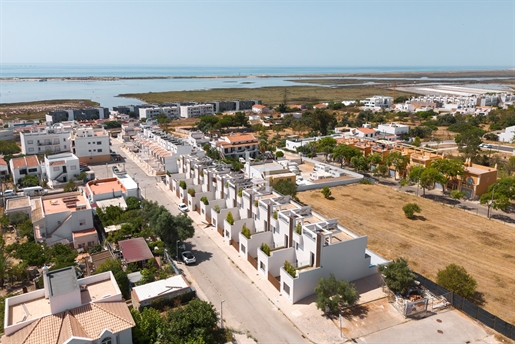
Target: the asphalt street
(245, 308)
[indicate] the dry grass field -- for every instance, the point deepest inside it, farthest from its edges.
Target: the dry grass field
(269, 95)
(440, 236)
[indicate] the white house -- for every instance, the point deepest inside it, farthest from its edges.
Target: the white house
(69, 310)
(53, 139)
(65, 218)
(393, 129)
(61, 168)
(258, 108)
(4, 169)
(28, 165)
(507, 135)
(170, 288)
(91, 145)
(109, 188)
(237, 145)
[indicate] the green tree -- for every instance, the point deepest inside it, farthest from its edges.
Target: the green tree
(451, 168)
(151, 327)
(468, 141)
(132, 202)
(410, 209)
(194, 323)
(326, 145)
(416, 141)
(375, 158)
(503, 193)
(4, 262)
(29, 181)
(279, 154)
(398, 276)
(70, 186)
(285, 187)
(457, 195)
(9, 147)
(360, 163)
(26, 229)
(326, 192)
(456, 279)
(332, 294)
(344, 153)
(240, 119)
(115, 266)
(398, 161)
(172, 228)
(62, 256)
(430, 176)
(30, 252)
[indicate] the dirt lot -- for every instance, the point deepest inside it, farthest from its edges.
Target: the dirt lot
(439, 236)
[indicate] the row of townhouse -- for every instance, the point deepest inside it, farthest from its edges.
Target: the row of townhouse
(90, 145)
(313, 245)
(159, 151)
(177, 111)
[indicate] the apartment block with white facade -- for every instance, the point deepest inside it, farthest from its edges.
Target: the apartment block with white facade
(54, 139)
(314, 246)
(153, 112)
(378, 102)
(91, 145)
(61, 168)
(189, 111)
(393, 129)
(237, 145)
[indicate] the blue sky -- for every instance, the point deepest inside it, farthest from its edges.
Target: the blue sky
(260, 33)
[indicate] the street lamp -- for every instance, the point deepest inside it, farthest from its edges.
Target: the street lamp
(222, 314)
(177, 249)
(491, 202)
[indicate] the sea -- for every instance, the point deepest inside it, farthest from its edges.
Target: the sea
(22, 82)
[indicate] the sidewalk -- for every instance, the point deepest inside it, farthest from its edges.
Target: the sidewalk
(304, 316)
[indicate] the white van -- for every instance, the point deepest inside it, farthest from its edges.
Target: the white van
(34, 191)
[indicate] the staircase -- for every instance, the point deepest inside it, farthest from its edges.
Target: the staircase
(49, 235)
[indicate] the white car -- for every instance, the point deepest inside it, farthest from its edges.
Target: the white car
(8, 193)
(183, 207)
(188, 257)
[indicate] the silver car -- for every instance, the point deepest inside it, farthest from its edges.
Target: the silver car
(188, 257)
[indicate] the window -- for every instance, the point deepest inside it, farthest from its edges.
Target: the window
(64, 140)
(99, 142)
(262, 266)
(73, 167)
(56, 168)
(29, 142)
(32, 170)
(107, 340)
(31, 149)
(99, 150)
(286, 289)
(82, 222)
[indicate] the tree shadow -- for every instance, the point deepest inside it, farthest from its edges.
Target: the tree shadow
(503, 218)
(419, 218)
(478, 298)
(358, 311)
(442, 199)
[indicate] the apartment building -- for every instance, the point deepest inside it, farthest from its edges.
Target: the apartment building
(475, 181)
(237, 145)
(153, 112)
(393, 129)
(77, 115)
(27, 165)
(314, 246)
(129, 130)
(65, 218)
(91, 145)
(378, 102)
(69, 310)
(61, 168)
(53, 139)
(193, 111)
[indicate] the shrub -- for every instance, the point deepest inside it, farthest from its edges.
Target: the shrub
(230, 218)
(326, 192)
(410, 209)
(191, 191)
(298, 228)
(265, 248)
(256, 202)
(456, 279)
(290, 269)
(245, 231)
(217, 209)
(275, 215)
(279, 154)
(365, 181)
(202, 173)
(204, 200)
(240, 192)
(182, 184)
(398, 276)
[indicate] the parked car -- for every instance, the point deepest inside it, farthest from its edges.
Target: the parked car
(83, 168)
(183, 207)
(188, 257)
(8, 193)
(115, 169)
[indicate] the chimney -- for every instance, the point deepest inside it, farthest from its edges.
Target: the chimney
(45, 282)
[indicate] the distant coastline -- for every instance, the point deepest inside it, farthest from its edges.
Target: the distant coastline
(502, 74)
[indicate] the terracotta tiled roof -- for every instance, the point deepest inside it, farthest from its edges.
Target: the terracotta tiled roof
(367, 130)
(2, 162)
(135, 250)
(241, 137)
(88, 321)
(26, 161)
(258, 106)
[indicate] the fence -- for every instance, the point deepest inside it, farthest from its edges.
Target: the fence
(469, 308)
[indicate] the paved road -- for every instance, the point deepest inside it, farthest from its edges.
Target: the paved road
(245, 308)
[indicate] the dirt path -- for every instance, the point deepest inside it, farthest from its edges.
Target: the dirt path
(440, 236)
